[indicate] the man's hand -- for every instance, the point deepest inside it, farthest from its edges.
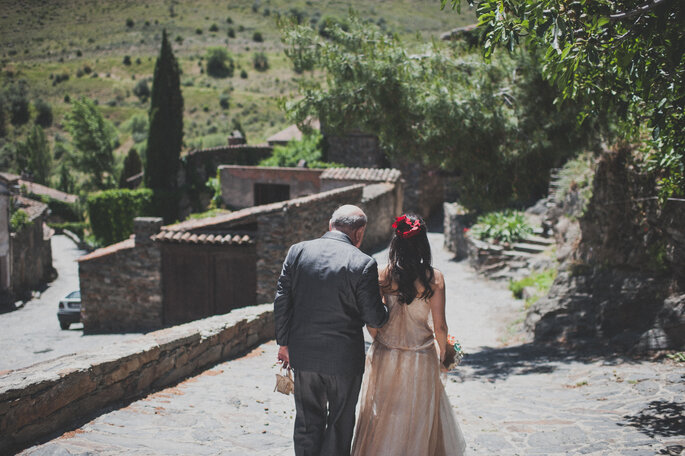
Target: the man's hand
(284, 356)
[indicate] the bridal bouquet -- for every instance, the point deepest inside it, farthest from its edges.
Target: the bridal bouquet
(453, 354)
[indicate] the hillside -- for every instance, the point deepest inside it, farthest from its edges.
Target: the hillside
(72, 48)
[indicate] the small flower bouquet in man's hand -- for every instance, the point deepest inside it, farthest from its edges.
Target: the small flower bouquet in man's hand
(453, 353)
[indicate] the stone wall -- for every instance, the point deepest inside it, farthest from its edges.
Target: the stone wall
(31, 256)
(53, 395)
(199, 165)
(424, 189)
(290, 222)
(381, 203)
(356, 150)
(622, 277)
(121, 285)
(456, 220)
(237, 182)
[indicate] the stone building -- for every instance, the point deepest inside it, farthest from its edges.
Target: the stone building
(200, 267)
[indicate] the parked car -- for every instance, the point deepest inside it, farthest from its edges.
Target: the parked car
(69, 309)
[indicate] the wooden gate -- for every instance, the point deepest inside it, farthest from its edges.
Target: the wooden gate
(203, 280)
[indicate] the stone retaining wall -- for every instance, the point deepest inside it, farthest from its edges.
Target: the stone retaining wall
(53, 395)
(381, 203)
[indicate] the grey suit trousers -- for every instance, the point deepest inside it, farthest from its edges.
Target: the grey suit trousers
(320, 431)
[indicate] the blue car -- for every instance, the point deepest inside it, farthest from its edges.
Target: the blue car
(69, 309)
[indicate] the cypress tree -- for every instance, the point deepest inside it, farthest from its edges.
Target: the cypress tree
(132, 166)
(165, 135)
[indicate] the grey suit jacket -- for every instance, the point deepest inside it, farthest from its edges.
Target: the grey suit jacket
(327, 291)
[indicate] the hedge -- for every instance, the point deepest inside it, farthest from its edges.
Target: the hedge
(111, 212)
(69, 212)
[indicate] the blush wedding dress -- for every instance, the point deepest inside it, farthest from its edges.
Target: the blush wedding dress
(404, 407)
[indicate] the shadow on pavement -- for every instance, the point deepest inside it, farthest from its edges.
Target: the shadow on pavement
(659, 418)
(499, 363)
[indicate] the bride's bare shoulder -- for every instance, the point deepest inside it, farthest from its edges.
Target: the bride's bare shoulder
(438, 278)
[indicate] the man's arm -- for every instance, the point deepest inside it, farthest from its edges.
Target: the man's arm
(373, 311)
(283, 305)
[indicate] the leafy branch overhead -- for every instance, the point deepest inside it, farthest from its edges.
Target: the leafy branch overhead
(625, 56)
(494, 126)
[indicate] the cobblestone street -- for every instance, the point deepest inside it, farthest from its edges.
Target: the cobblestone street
(32, 334)
(509, 400)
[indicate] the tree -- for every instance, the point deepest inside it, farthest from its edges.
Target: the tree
(35, 154)
(308, 149)
(620, 56)
(16, 96)
(43, 113)
(443, 107)
(93, 138)
(165, 137)
(3, 121)
(66, 179)
(219, 63)
(260, 62)
(132, 165)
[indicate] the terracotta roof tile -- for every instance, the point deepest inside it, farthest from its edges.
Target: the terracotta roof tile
(32, 208)
(53, 193)
(109, 250)
(362, 174)
(204, 238)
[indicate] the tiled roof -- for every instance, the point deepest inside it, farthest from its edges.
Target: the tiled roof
(229, 147)
(38, 189)
(110, 249)
(32, 208)
(292, 132)
(9, 177)
(180, 237)
(363, 174)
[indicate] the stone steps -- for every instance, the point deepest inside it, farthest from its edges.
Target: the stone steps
(529, 248)
(538, 240)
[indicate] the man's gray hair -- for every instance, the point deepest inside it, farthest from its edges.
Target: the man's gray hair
(348, 217)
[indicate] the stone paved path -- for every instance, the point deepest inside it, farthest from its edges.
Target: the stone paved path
(515, 400)
(32, 334)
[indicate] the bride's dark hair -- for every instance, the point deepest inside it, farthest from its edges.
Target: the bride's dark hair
(410, 259)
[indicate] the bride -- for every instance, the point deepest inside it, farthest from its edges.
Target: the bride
(404, 408)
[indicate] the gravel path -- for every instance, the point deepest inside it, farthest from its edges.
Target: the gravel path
(509, 400)
(32, 334)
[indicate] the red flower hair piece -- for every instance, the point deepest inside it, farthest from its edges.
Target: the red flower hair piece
(406, 228)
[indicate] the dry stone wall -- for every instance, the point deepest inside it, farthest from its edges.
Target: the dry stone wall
(31, 255)
(51, 396)
(381, 203)
(121, 285)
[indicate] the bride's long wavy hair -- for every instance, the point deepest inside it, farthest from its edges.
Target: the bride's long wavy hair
(410, 259)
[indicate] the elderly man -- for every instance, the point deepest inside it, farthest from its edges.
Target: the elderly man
(327, 291)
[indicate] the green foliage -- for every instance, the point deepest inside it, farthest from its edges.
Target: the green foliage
(78, 228)
(257, 37)
(443, 107)
(43, 113)
(612, 57)
(165, 137)
(132, 165)
(3, 117)
(225, 101)
(138, 125)
(142, 90)
(35, 153)
(541, 282)
(111, 212)
(503, 226)
(219, 62)
(576, 176)
(94, 139)
(18, 220)
(66, 182)
(678, 357)
(70, 212)
(214, 186)
(209, 213)
(260, 62)
(307, 149)
(16, 96)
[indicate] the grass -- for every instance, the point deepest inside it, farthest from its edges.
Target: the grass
(541, 282)
(209, 213)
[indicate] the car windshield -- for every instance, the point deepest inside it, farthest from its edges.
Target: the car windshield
(74, 295)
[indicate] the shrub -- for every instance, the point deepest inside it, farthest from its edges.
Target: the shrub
(257, 37)
(224, 100)
(308, 149)
(179, 39)
(127, 60)
(213, 28)
(19, 220)
(142, 90)
(129, 22)
(243, 74)
(231, 32)
(69, 212)
(503, 226)
(17, 100)
(43, 113)
(541, 282)
(198, 31)
(111, 212)
(77, 228)
(260, 61)
(219, 62)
